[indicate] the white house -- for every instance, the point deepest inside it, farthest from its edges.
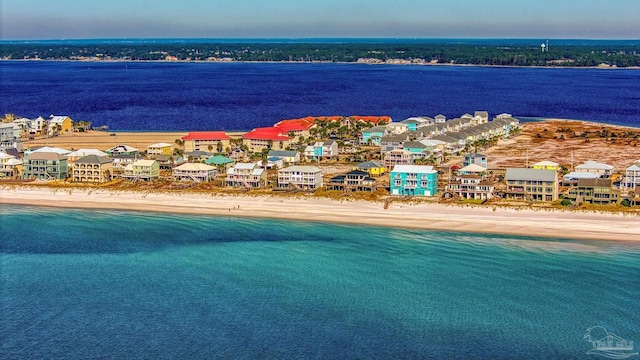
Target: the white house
(247, 175)
(632, 176)
(593, 167)
(303, 177)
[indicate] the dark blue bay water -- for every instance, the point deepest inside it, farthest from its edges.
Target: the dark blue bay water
(241, 96)
(110, 284)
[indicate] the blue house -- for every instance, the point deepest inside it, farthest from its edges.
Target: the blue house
(374, 134)
(414, 180)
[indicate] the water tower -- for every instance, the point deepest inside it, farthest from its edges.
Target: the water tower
(542, 47)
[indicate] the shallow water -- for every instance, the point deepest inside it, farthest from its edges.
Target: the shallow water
(85, 284)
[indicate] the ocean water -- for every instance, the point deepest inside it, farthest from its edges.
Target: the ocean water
(241, 96)
(113, 284)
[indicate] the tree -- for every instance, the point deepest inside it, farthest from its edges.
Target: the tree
(219, 147)
(210, 147)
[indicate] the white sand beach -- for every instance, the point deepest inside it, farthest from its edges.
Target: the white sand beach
(476, 219)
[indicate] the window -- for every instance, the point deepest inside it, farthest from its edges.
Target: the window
(424, 184)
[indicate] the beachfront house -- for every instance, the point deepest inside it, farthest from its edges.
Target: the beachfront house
(594, 191)
(300, 177)
(287, 156)
(92, 168)
(159, 149)
(354, 180)
(247, 175)
(322, 150)
(59, 125)
(546, 165)
(206, 141)
(45, 166)
(413, 180)
(593, 167)
(531, 184)
(142, 170)
(195, 172)
(632, 176)
(471, 187)
(10, 166)
(373, 168)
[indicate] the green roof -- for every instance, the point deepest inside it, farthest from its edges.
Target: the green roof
(218, 160)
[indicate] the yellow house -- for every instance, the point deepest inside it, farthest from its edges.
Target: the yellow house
(546, 165)
(160, 149)
(371, 167)
(60, 125)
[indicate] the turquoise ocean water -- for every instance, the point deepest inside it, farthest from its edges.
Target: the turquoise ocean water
(112, 284)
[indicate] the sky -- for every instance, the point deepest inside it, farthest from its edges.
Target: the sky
(100, 19)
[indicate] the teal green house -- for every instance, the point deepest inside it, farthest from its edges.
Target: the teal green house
(413, 180)
(374, 134)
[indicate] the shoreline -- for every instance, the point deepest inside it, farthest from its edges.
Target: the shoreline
(438, 217)
(327, 62)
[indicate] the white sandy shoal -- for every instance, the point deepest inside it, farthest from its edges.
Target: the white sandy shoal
(510, 221)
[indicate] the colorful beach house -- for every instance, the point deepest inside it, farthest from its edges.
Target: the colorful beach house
(546, 165)
(142, 170)
(92, 168)
(374, 168)
(123, 150)
(413, 180)
(160, 149)
(372, 136)
(59, 125)
(322, 150)
(206, 141)
(300, 177)
(194, 172)
(45, 166)
(415, 123)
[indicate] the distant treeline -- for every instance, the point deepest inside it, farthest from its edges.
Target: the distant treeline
(473, 54)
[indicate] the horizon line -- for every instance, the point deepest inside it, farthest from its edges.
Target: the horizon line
(317, 38)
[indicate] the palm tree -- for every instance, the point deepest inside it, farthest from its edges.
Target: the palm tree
(219, 147)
